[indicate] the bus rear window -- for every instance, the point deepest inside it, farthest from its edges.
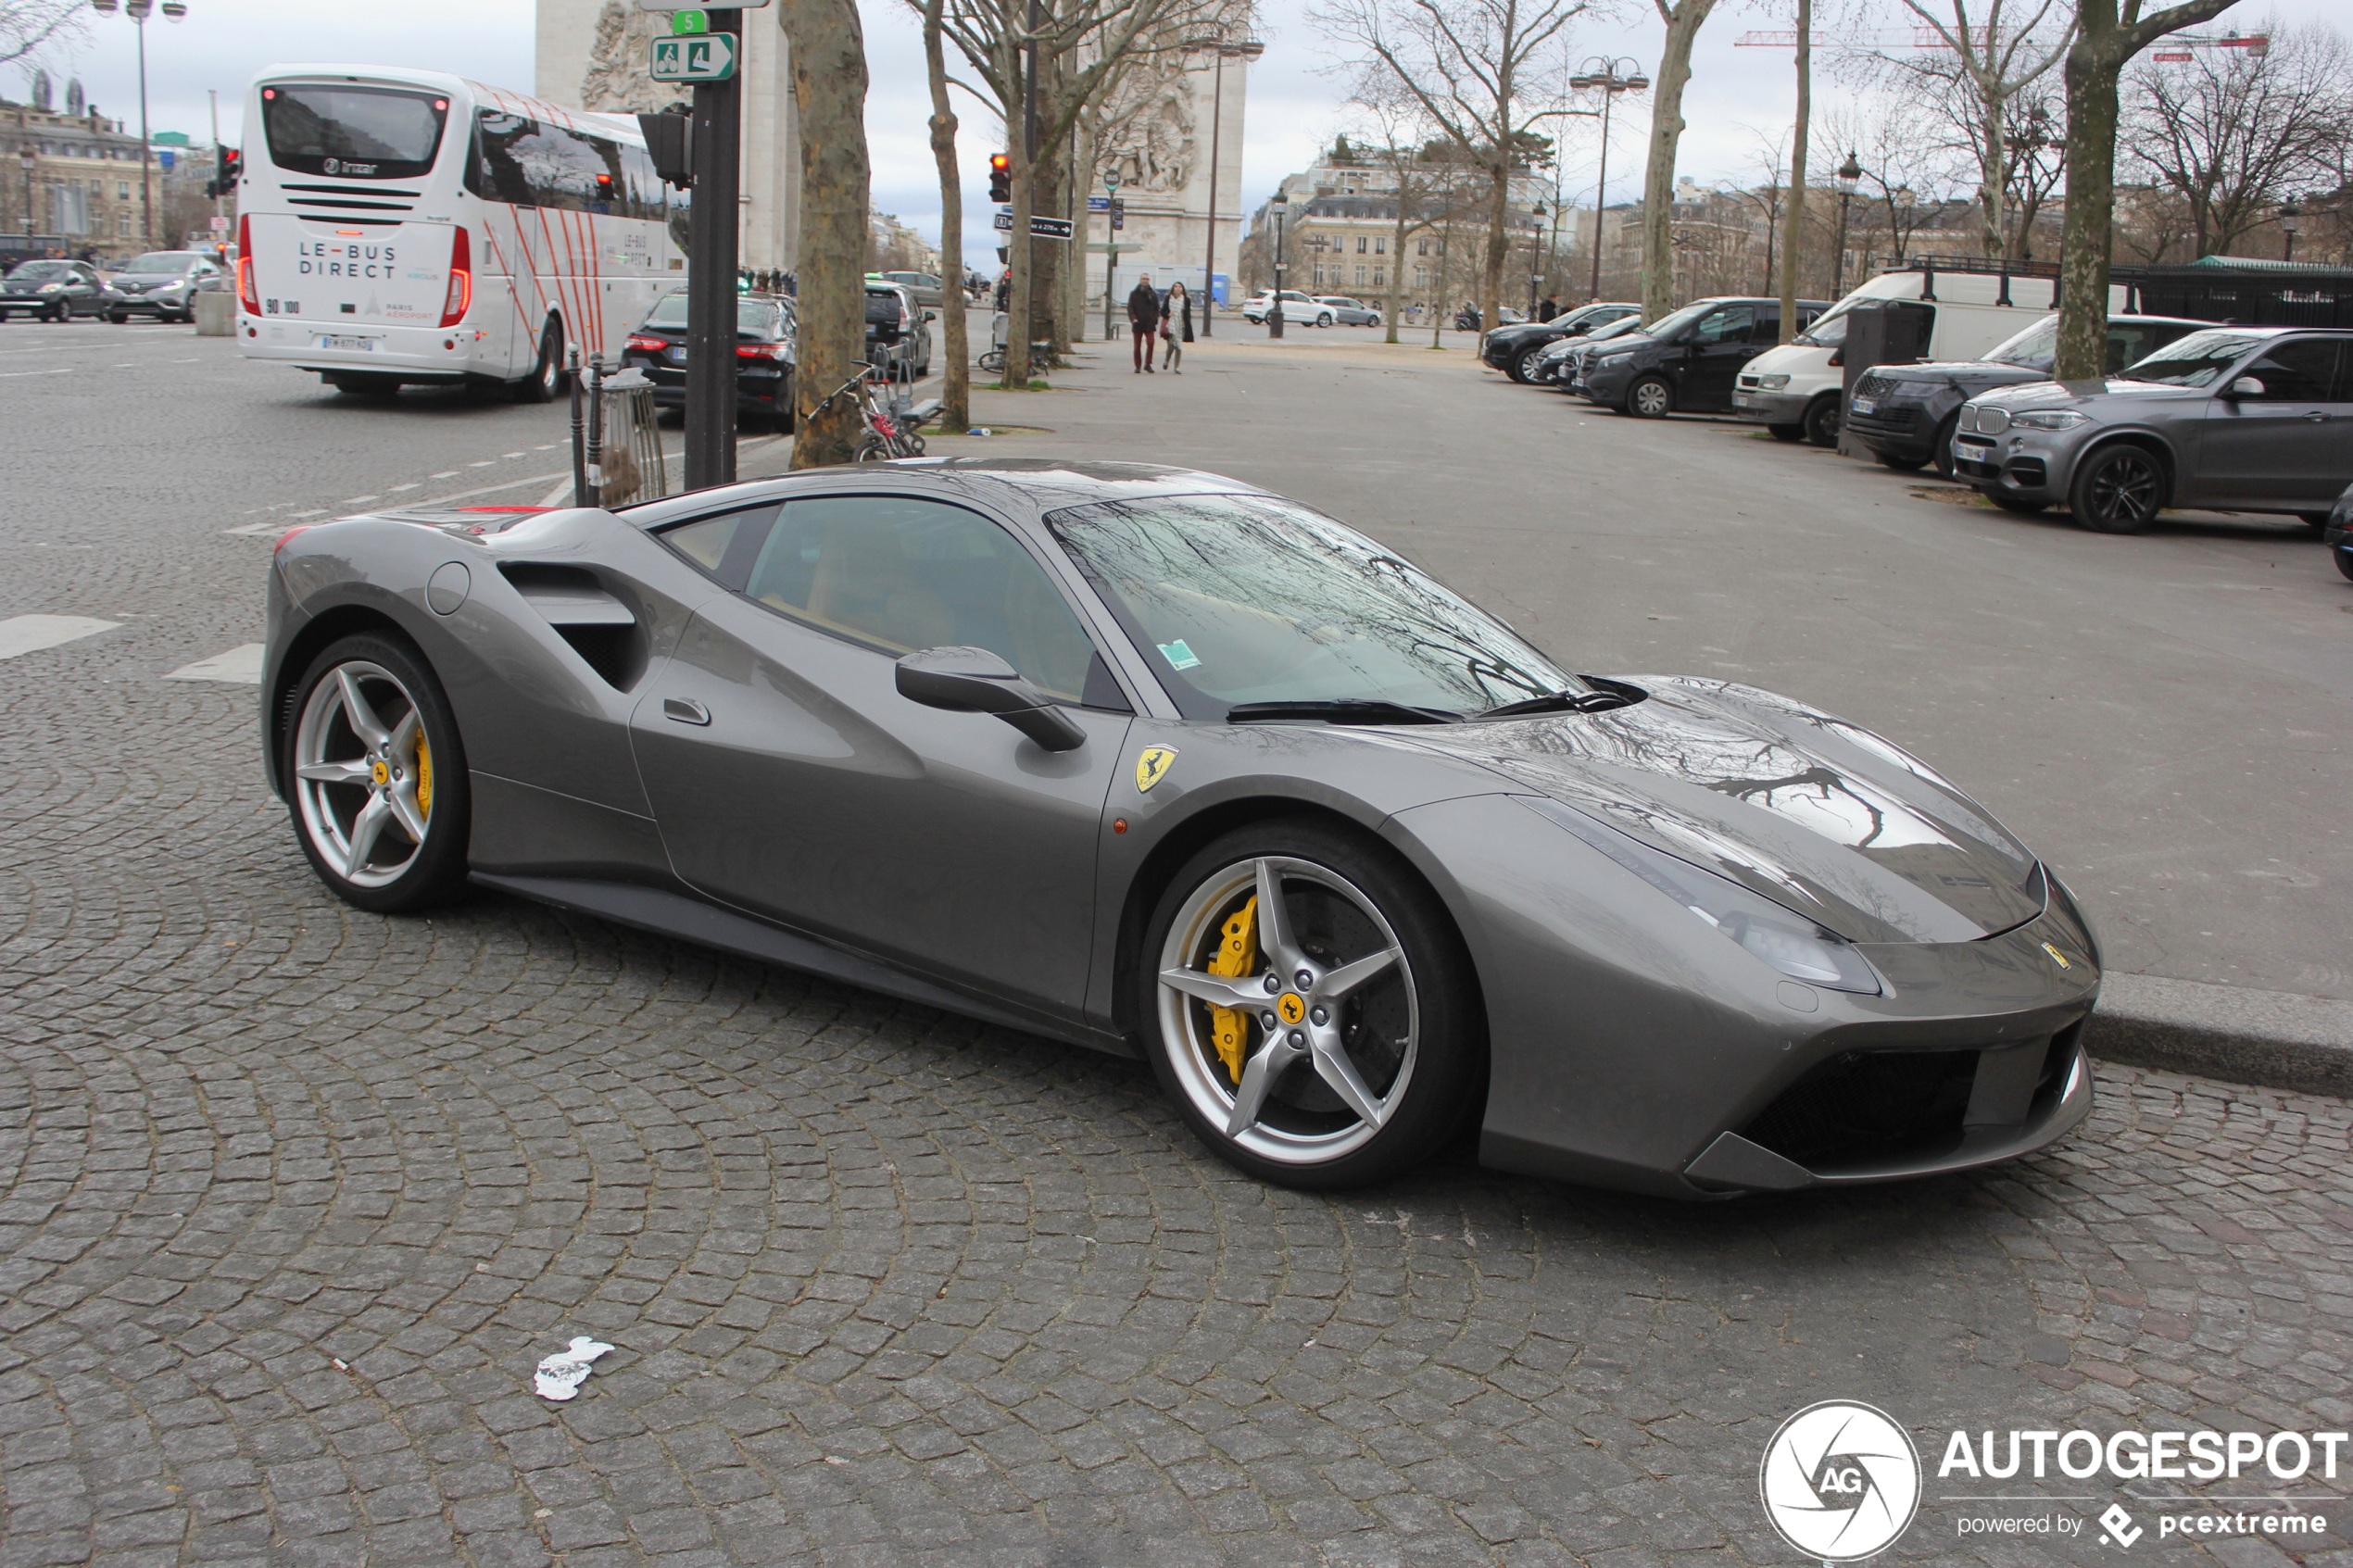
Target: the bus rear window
(353, 133)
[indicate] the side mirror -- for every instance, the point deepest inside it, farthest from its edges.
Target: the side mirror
(2245, 386)
(930, 316)
(963, 679)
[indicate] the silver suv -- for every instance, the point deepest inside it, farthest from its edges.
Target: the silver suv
(2246, 419)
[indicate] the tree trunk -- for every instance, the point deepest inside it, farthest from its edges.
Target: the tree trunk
(955, 349)
(1046, 195)
(1792, 242)
(829, 92)
(1397, 262)
(1994, 172)
(1019, 254)
(1499, 241)
(1659, 174)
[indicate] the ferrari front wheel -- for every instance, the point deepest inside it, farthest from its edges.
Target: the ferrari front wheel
(375, 776)
(1311, 1009)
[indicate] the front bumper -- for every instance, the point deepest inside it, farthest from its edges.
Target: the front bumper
(1769, 407)
(1606, 383)
(2011, 465)
(151, 304)
(1896, 429)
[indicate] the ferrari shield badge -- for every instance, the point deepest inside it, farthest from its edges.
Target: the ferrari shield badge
(1152, 766)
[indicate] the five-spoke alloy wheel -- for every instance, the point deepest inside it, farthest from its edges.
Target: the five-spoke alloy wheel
(1310, 1010)
(375, 776)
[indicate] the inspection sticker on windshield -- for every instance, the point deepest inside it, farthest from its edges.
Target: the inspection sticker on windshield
(1180, 657)
(1152, 766)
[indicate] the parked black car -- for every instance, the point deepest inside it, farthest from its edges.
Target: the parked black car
(2339, 532)
(1905, 413)
(162, 284)
(898, 336)
(1559, 364)
(1687, 362)
(51, 290)
(766, 353)
(1513, 350)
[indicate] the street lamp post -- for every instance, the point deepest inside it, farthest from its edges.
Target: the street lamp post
(1275, 304)
(1604, 74)
(139, 11)
(1247, 49)
(1111, 247)
(2291, 223)
(1849, 173)
(31, 160)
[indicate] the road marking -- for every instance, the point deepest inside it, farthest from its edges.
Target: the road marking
(241, 664)
(13, 375)
(399, 489)
(358, 500)
(485, 463)
(315, 511)
(516, 454)
(31, 634)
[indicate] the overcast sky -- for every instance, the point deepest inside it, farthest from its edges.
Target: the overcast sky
(1295, 96)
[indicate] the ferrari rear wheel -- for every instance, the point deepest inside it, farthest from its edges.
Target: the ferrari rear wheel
(1312, 1012)
(376, 776)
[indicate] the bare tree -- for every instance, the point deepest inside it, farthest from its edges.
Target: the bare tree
(2038, 163)
(956, 391)
(2230, 131)
(1683, 20)
(1770, 156)
(2109, 33)
(1794, 231)
(1484, 71)
(829, 92)
(29, 26)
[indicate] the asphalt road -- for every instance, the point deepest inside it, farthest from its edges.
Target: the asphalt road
(293, 1198)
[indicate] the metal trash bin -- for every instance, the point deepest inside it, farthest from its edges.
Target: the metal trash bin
(616, 443)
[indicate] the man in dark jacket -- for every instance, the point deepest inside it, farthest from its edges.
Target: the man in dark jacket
(1143, 322)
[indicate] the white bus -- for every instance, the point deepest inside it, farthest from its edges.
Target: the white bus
(406, 227)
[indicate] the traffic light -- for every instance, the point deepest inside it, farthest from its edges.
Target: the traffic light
(1000, 177)
(229, 162)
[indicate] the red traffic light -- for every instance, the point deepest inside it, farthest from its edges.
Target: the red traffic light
(1000, 177)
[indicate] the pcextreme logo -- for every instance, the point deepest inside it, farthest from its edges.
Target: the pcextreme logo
(1840, 1481)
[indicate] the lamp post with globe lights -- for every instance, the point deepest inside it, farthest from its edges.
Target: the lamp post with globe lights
(139, 11)
(1244, 49)
(2291, 224)
(1849, 174)
(1280, 205)
(1609, 78)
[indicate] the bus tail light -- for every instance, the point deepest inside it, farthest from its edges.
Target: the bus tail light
(461, 297)
(248, 296)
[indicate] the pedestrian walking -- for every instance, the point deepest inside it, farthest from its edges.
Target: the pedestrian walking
(1175, 327)
(1550, 308)
(1143, 320)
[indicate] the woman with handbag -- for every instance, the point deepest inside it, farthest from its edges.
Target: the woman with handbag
(1176, 325)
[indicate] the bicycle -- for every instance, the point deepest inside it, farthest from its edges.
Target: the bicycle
(890, 430)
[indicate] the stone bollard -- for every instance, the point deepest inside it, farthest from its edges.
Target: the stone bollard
(216, 314)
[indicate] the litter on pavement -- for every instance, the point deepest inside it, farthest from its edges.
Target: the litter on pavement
(561, 1374)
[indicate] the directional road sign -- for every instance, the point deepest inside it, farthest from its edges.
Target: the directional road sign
(702, 57)
(1050, 228)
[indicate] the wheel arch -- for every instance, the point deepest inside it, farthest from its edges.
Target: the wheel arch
(328, 626)
(2148, 440)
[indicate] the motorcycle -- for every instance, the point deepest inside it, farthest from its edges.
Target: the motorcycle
(1466, 320)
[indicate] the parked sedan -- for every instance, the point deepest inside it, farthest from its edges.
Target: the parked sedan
(2339, 532)
(1348, 312)
(922, 287)
(765, 355)
(1164, 765)
(1905, 413)
(162, 284)
(1688, 361)
(52, 290)
(1560, 364)
(1299, 309)
(1515, 349)
(2246, 419)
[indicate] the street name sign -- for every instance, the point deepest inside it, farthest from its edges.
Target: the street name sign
(1049, 227)
(702, 57)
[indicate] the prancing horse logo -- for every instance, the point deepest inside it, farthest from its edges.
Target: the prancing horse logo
(1152, 766)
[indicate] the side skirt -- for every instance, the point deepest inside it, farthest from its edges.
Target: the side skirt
(691, 920)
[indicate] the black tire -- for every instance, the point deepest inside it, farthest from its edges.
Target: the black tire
(2118, 490)
(1822, 420)
(1650, 399)
(2344, 562)
(546, 376)
(785, 414)
(873, 450)
(2314, 519)
(1413, 1034)
(1787, 432)
(1900, 464)
(1522, 368)
(1324, 318)
(61, 313)
(396, 683)
(2018, 504)
(116, 317)
(1940, 445)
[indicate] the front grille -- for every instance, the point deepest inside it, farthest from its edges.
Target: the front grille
(1874, 385)
(1866, 1107)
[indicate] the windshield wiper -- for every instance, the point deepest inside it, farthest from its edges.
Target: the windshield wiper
(1341, 710)
(1557, 702)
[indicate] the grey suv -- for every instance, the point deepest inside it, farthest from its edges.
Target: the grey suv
(2248, 418)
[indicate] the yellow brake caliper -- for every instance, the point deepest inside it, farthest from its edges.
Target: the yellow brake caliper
(424, 774)
(1237, 956)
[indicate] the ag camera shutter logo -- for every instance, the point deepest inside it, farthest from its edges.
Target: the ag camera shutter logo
(1840, 1481)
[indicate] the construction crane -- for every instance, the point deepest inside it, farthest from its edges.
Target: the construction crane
(2176, 48)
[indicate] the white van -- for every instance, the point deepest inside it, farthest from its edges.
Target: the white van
(1793, 390)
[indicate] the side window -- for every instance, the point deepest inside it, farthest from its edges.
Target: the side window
(1729, 324)
(2303, 371)
(904, 574)
(523, 161)
(722, 545)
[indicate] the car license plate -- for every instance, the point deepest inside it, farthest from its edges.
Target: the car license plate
(1973, 448)
(352, 345)
(1743, 400)
(678, 355)
(1865, 405)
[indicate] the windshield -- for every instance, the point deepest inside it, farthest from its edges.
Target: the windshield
(1624, 326)
(1828, 331)
(34, 271)
(757, 317)
(2037, 348)
(2198, 359)
(166, 263)
(1673, 324)
(353, 133)
(1247, 598)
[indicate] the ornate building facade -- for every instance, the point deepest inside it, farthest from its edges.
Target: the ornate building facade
(1159, 138)
(592, 55)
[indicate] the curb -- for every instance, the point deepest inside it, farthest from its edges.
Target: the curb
(2272, 1039)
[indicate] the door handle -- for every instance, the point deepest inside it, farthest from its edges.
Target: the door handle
(686, 710)
(2316, 417)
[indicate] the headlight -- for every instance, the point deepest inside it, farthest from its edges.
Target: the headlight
(2050, 418)
(51, 288)
(175, 283)
(1772, 384)
(1782, 938)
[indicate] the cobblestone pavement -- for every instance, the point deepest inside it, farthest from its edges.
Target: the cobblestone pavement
(293, 1198)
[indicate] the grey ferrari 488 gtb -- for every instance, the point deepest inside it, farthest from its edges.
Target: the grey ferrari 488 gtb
(1157, 762)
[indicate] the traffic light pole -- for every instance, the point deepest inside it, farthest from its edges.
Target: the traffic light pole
(710, 276)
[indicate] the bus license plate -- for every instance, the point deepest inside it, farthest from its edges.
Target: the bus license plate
(355, 345)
